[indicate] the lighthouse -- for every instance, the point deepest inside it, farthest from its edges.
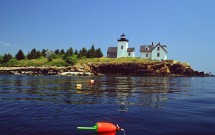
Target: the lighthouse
(121, 50)
(122, 46)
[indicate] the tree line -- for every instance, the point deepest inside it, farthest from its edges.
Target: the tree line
(70, 56)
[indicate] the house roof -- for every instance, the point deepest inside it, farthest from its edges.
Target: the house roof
(112, 49)
(162, 46)
(49, 53)
(130, 50)
(150, 48)
(146, 48)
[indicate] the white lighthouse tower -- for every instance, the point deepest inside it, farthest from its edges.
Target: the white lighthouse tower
(122, 46)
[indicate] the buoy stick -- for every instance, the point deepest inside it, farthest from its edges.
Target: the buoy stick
(87, 128)
(102, 127)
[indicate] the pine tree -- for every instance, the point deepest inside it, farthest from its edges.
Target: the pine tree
(1, 58)
(80, 55)
(7, 58)
(76, 52)
(43, 53)
(38, 54)
(62, 51)
(32, 54)
(99, 53)
(20, 55)
(68, 53)
(83, 52)
(91, 52)
(57, 51)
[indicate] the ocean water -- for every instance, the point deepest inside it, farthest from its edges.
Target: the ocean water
(53, 105)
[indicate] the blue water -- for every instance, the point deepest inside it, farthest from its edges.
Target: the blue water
(52, 105)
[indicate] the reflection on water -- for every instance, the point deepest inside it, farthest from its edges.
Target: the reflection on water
(124, 91)
(42, 105)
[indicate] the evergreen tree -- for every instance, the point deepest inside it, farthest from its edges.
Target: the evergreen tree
(20, 55)
(57, 51)
(83, 52)
(99, 53)
(1, 58)
(91, 53)
(29, 56)
(43, 53)
(62, 51)
(38, 54)
(7, 58)
(68, 53)
(80, 55)
(32, 54)
(76, 52)
(92, 48)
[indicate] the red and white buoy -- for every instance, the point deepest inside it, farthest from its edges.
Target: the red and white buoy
(103, 128)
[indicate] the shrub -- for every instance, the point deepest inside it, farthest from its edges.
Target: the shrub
(50, 58)
(71, 60)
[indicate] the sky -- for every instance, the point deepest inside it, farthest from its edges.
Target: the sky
(187, 27)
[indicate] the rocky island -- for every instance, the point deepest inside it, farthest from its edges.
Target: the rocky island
(130, 68)
(91, 62)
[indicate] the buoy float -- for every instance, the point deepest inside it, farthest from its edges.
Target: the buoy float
(102, 127)
(91, 81)
(106, 133)
(78, 85)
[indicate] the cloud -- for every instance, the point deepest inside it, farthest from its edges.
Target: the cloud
(6, 47)
(2, 43)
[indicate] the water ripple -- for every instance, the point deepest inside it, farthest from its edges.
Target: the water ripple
(54, 105)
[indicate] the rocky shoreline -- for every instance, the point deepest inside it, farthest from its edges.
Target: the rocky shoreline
(109, 69)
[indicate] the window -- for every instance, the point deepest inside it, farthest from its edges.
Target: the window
(158, 54)
(158, 48)
(129, 54)
(121, 47)
(146, 48)
(147, 55)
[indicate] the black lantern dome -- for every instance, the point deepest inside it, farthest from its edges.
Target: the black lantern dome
(123, 38)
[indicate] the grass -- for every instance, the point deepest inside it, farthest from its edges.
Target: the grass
(59, 62)
(114, 60)
(34, 62)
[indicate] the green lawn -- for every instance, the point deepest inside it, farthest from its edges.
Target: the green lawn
(114, 60)
(59, 62)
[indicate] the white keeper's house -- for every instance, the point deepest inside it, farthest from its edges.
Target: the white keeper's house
(153, 52)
